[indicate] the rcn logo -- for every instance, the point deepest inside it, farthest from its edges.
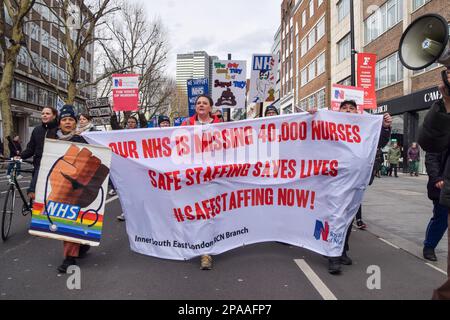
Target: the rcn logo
(321, 230)
(117, 83)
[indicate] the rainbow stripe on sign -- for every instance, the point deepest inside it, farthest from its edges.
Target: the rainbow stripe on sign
(68, 228)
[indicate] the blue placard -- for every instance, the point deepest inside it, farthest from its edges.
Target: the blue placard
(178, 121)
(195, 88)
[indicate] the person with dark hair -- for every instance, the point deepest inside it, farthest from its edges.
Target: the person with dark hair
(67, 132)
(203, 115)
(84, 124)
(35, 146)
(435, 164)
(271, 111)
(132, 122)
(434, 137)
(15, 148)
(163, 121)
(350, 106)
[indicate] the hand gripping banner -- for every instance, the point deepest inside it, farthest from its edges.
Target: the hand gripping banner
(298, 179)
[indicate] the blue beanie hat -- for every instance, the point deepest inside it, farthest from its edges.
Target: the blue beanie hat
(67, 111)
(163, 118)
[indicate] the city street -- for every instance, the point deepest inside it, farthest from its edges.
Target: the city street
(262, 271)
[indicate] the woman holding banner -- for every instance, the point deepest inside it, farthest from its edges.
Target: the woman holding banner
(203, 112)
(203, 115)
(67, 132)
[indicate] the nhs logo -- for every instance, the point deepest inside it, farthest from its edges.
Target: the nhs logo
(321, 230)
(63, 211)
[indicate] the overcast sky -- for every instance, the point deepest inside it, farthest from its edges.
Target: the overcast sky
(239, 27)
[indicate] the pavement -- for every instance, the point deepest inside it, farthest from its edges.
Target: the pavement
(396, 211)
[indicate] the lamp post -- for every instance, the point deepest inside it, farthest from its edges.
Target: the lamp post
(352, 43)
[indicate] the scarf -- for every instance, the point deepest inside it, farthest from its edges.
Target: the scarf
(87, 127)
(65, 137)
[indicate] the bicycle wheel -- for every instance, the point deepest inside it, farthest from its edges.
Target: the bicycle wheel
(8, 211)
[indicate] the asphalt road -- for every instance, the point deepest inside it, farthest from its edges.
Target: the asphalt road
(266, 271)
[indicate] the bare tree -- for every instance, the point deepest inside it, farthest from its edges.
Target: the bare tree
(139, 46)
(17, 11)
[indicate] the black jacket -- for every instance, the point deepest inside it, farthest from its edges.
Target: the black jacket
(36, 145)
(435, 163)
(434, 137)
(385, 135)
(15, 149)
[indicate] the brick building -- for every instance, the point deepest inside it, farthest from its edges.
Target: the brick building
(305, 55)
(30, 93)
(405, 94)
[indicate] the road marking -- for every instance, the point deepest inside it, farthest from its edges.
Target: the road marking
(315, 280)
(436, 268)
(112, 199)
(388, 243)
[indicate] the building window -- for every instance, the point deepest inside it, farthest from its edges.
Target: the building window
(33, 94)
(304, 46)
(20, 90)
(321, 29)
(320, 3)
(54, 71)
(43, 97)
(7, 16)
(304, 75)
(311, 39)
(321, 64)
(45, 38)
(344, 50)
(346, 81)
(22, 57)
(312, 71)
(311, 102)
(44, 66)
(418, 3)
(343, 7)
(304, 19)
(311, 8)
(321, 99)
(383, 19)
(34, 31)
(36, 62)
(388, 71)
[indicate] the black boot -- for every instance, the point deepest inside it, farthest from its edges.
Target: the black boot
(334, 265)
(345, 260)
(428, 253)
(69, 261)
(84, 248)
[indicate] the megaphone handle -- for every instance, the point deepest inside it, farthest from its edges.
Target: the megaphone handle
(445, 79)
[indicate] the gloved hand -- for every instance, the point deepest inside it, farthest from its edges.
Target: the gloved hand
(77, 178)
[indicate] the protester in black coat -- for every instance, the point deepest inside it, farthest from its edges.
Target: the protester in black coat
(35, 147)
(435, 137)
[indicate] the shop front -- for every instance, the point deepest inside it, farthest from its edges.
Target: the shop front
(408, 114)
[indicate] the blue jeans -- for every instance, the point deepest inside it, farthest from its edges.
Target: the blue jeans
(437, 226)
(10, 168)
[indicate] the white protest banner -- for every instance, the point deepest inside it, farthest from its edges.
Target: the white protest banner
(297, 179)
(340, 93)
(263, 78)
(71, 192)
(229, 83)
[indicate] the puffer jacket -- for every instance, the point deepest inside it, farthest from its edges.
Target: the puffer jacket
(435, 137)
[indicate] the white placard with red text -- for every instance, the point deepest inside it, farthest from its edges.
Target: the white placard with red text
(188, 191)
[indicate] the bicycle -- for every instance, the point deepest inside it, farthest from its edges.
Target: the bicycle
(10, 199)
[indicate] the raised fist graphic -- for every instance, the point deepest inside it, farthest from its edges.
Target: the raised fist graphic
(77, 177)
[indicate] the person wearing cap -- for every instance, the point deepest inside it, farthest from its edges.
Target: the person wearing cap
(163, 121)
(350, 106)
(67, 132)
(271, 111)
(35, 147)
